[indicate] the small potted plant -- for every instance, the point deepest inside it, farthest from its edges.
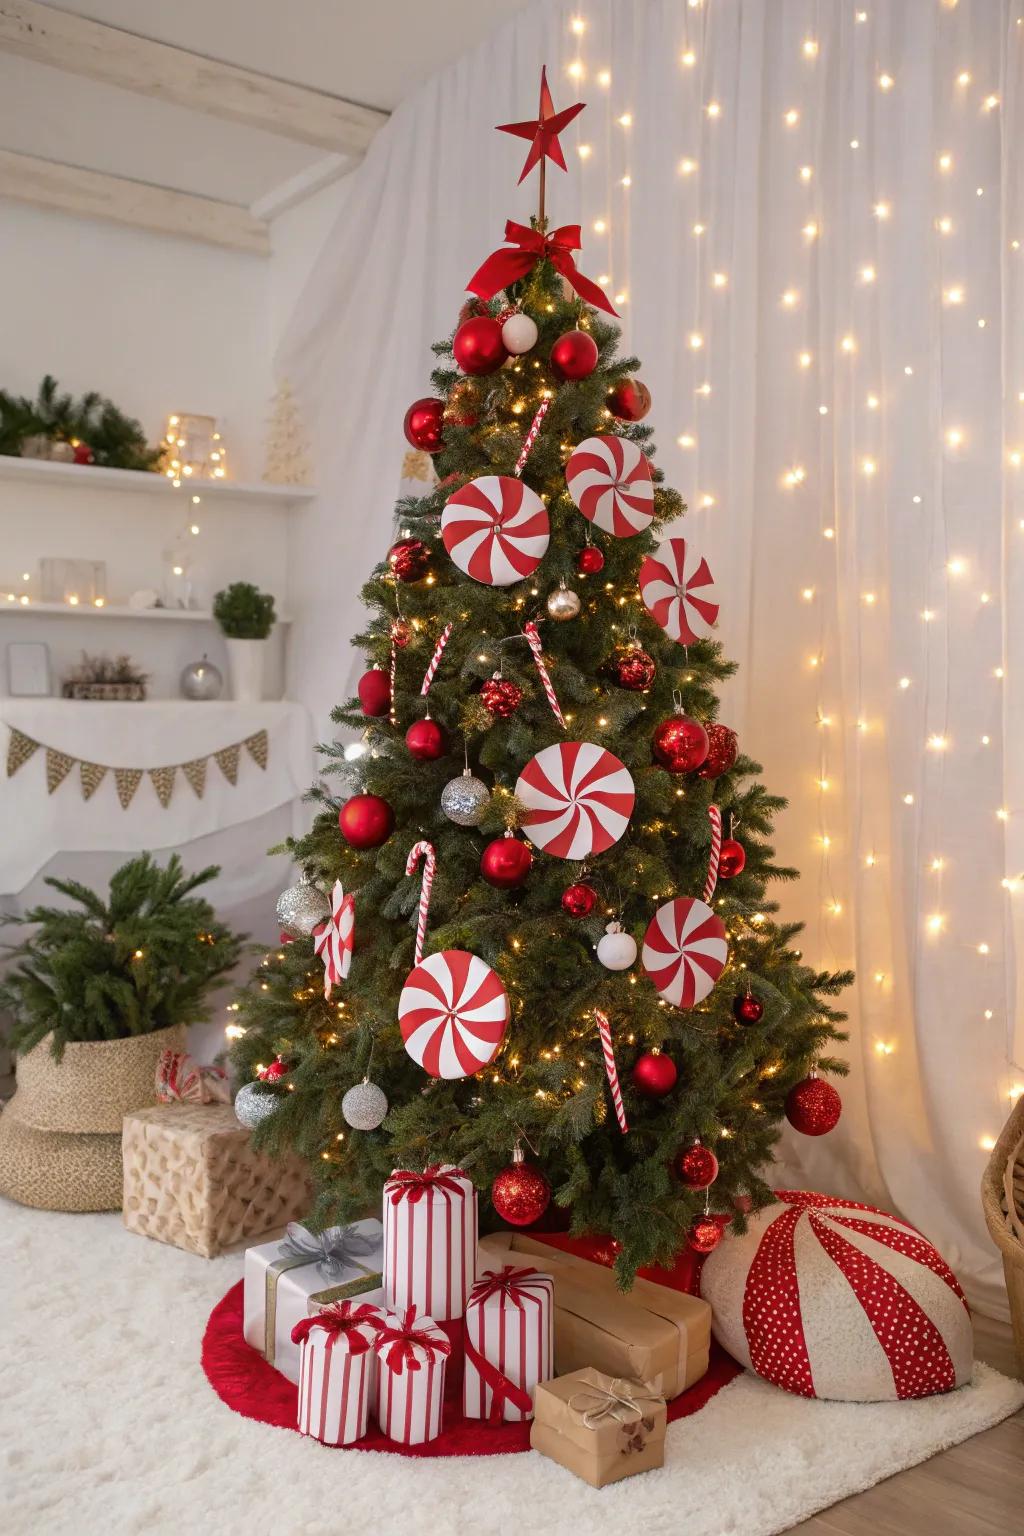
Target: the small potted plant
(246, 617)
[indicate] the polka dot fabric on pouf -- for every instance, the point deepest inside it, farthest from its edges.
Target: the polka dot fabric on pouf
(827, 1298)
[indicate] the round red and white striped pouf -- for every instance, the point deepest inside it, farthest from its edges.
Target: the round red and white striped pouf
(827, 1298)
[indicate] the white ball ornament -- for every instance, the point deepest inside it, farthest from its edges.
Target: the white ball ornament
(252, 1106)
(617, 950)
(364, 1106)
(519, 334)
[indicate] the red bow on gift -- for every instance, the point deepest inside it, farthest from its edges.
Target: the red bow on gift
(358, 1321)
(510, 1281)
(179, 1079)
(397, 1346)
(413, 1186)
(504, 267)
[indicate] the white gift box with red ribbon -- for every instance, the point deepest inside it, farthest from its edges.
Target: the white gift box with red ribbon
(337, 1371)
(412, 1354)
(509, 1343)
(430, 1238)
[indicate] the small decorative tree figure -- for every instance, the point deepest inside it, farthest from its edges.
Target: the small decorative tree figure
(287, 450)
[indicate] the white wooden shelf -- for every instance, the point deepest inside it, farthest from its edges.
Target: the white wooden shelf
(110, 611)
(84, 477)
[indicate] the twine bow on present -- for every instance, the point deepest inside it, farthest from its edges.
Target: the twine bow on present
(332, 1251)
(180, 1080)
(360, 1324)
(414, 1186)
(398, 1341)
(620, 1402)
(531, 246)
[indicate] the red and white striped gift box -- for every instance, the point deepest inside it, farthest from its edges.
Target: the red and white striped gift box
(412, 1353)
(509, 1343)
(337, 1371)
(430, 1237)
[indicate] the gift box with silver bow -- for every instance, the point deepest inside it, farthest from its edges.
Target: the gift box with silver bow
(295, 1277)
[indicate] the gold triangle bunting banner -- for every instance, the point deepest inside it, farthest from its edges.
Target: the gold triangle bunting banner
(58, 766)
(195, 773)
(92, 776)
(227, 761)
(258, 748)
(127, 781)
(19, 749)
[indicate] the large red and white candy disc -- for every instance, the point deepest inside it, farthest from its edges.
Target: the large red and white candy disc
(685, 950)
(453, 1012)
(679, 592)
(496, 530)
(609, 479)
(578, 799)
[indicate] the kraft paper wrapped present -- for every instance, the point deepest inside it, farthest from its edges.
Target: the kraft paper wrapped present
(292, 1279)
(337, 1370)
(650, 1331)
(601, 1427)
(508, 1342)
(412, 1354)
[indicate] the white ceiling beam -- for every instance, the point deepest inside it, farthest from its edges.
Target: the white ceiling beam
(100, 52)
(92, 195)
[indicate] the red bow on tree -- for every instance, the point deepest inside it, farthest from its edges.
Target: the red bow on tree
(360, 1322)
(413, 1186)
(531, 246)
(397, 1346)
(510, 1281)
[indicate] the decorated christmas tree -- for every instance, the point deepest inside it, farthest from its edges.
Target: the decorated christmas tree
(548, 955)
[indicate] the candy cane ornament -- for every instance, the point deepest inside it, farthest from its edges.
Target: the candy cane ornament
(604, 1029)
(533, 638)
(531, 437)
(715, 818)
(429, 857)
(334, 938)
(428, 676)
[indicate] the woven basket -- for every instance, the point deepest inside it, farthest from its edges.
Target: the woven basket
(1002, 1199)
(94, 1085)
(56, 1172)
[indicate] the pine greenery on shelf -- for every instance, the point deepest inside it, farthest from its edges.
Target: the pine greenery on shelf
(116, 440)
(244, 612)
(146, 958)
(547, 1083)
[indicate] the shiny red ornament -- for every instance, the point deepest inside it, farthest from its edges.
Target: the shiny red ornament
(374, 692)
(723, 747)
(590, 560)
(654, 1074)
(813, 1107)
(574, 355)
(426, 740)
(705, 1235)
(732, 859)
(409, 559)
(478, 346)
(83, 454)
(629, 400)
(520, 1193)
(697, 1166)
(679, 744)
(747, 1009)
(366, 821)
(401, 633)
(634, 669)
(579, 900)
(424, 424)
(277, 1069)
(501, 697)
(506, 862)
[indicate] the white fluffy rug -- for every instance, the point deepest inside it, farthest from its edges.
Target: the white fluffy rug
(107, 1425)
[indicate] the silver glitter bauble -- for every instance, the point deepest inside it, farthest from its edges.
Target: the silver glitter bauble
(464, 800)
(563, 603)
(252, 1106)
(364, 1106)
(201, 680)
(301, 907)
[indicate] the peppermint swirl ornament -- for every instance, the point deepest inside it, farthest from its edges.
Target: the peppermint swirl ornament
(609, 479)
(578, 799)
(679, 592)
(496, 530)
(685, 950)
(453, 1013)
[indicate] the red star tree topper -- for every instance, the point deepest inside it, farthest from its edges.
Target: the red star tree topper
(542, 133)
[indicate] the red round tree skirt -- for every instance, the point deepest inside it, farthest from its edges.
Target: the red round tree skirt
(244, 1381)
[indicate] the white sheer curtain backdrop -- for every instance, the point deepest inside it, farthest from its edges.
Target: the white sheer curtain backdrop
(811, 215)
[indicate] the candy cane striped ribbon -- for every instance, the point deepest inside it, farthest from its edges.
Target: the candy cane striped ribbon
(532, 635)
(531, 437)
(428, 676)
(426, 851)
(715, 818)
(392, 713)
(605, 1031)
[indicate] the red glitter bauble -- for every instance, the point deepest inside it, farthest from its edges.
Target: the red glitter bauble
(679, 744)
(731, 859)
(654, 1074)
(574, 355)
(409, 559)
(590, 560)
(747, 1009)
(83, 454)
(634, 669)
(277, 1069)
(579, 900)
(401, 633)
(629, 400)
(478, 346)
(374, 692)
(722, 749)
(500, 697)
(697, 1166)
(520, 1193)
(424, 422)
(505, 862)
(705, 1235)
(813, 1107)
(425, 740)
(366, 821)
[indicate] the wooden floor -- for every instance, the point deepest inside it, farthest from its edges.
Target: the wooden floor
(974, 1489)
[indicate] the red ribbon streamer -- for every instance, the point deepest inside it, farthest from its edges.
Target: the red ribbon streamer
(397, 1346)
(344, 1317)
(531, 246)
(501, 1387)
(413, 1186)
